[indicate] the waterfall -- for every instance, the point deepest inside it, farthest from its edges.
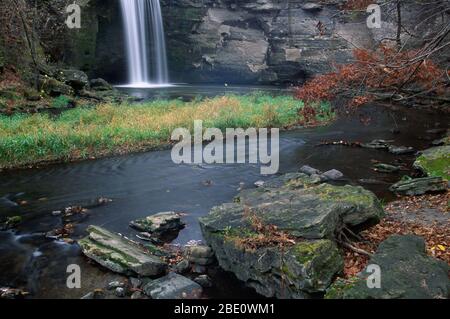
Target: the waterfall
(145, 42)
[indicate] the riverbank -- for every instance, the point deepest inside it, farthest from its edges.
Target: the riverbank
(109, 129)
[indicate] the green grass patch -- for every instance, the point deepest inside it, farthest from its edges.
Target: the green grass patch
(110, 129)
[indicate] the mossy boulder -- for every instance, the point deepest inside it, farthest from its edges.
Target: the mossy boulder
(435, 162)
(296, 205)
(77, 79)
(295, 272)
(407, 272)
(301, 207)
(119, 254)
(53, 87)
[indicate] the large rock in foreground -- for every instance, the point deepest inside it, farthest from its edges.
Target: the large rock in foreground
(119, 254)
(407, 272)
(295, 205)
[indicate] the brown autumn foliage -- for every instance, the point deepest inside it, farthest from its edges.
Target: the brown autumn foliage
(436, 234)
(265, 235)
(384, 73)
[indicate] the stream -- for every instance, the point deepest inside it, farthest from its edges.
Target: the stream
(142, 184)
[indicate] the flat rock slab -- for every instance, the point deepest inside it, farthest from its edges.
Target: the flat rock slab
(173, 286)
(419, 186)
(407, 272)
(119, 254)
(299, 208)
(159, 224)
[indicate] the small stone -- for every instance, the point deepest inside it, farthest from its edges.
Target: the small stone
(308, 170)
(401, 150)
(386, 168)
(173, 286)
(377, 144)
(136, 295)
(182, 267)
(204, 281)
(135, 283)
(120, 292)
(198, 269)
(115, 284)
(159, 223)
(332, 175)
(200, 255)
(311, 6)
(259, 184)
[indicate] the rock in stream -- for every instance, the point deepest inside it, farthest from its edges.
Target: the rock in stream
(119, 254)
(302, 209)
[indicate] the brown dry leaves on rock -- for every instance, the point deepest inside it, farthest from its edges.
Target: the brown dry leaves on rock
(436, 235)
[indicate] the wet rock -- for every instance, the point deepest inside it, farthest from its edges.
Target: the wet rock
(135, 283)
(120, 292)
(435, 162)
(308, 170)
(200, 255)
(377, 144)
(259, 183)
(136, 295)
(407, 272)
(296, 272)
(115, 284)
(204, 281)
(198, 269)
(10, 222)
(100, 85)
(401, 150)
(119, 254)
(159, 224)
(311, 6)
(96, 294)
(294, 180)
(12, 293)
(419, 186)
(332, 175)
(386, 168)
(437, 131)
(57, 213)
(182, 267)
(314, 212)
(173, 286)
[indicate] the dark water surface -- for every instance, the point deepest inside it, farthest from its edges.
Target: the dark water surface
(143, 184)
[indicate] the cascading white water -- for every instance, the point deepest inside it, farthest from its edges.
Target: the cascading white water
(144, 33)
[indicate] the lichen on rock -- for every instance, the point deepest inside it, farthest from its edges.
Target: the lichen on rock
(120, 254)
(304, 216)
(435, 162)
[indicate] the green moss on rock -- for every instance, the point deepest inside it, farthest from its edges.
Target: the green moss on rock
(435, 162)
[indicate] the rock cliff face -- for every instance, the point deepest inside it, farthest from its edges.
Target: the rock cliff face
(233, 41)
(266, 41)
